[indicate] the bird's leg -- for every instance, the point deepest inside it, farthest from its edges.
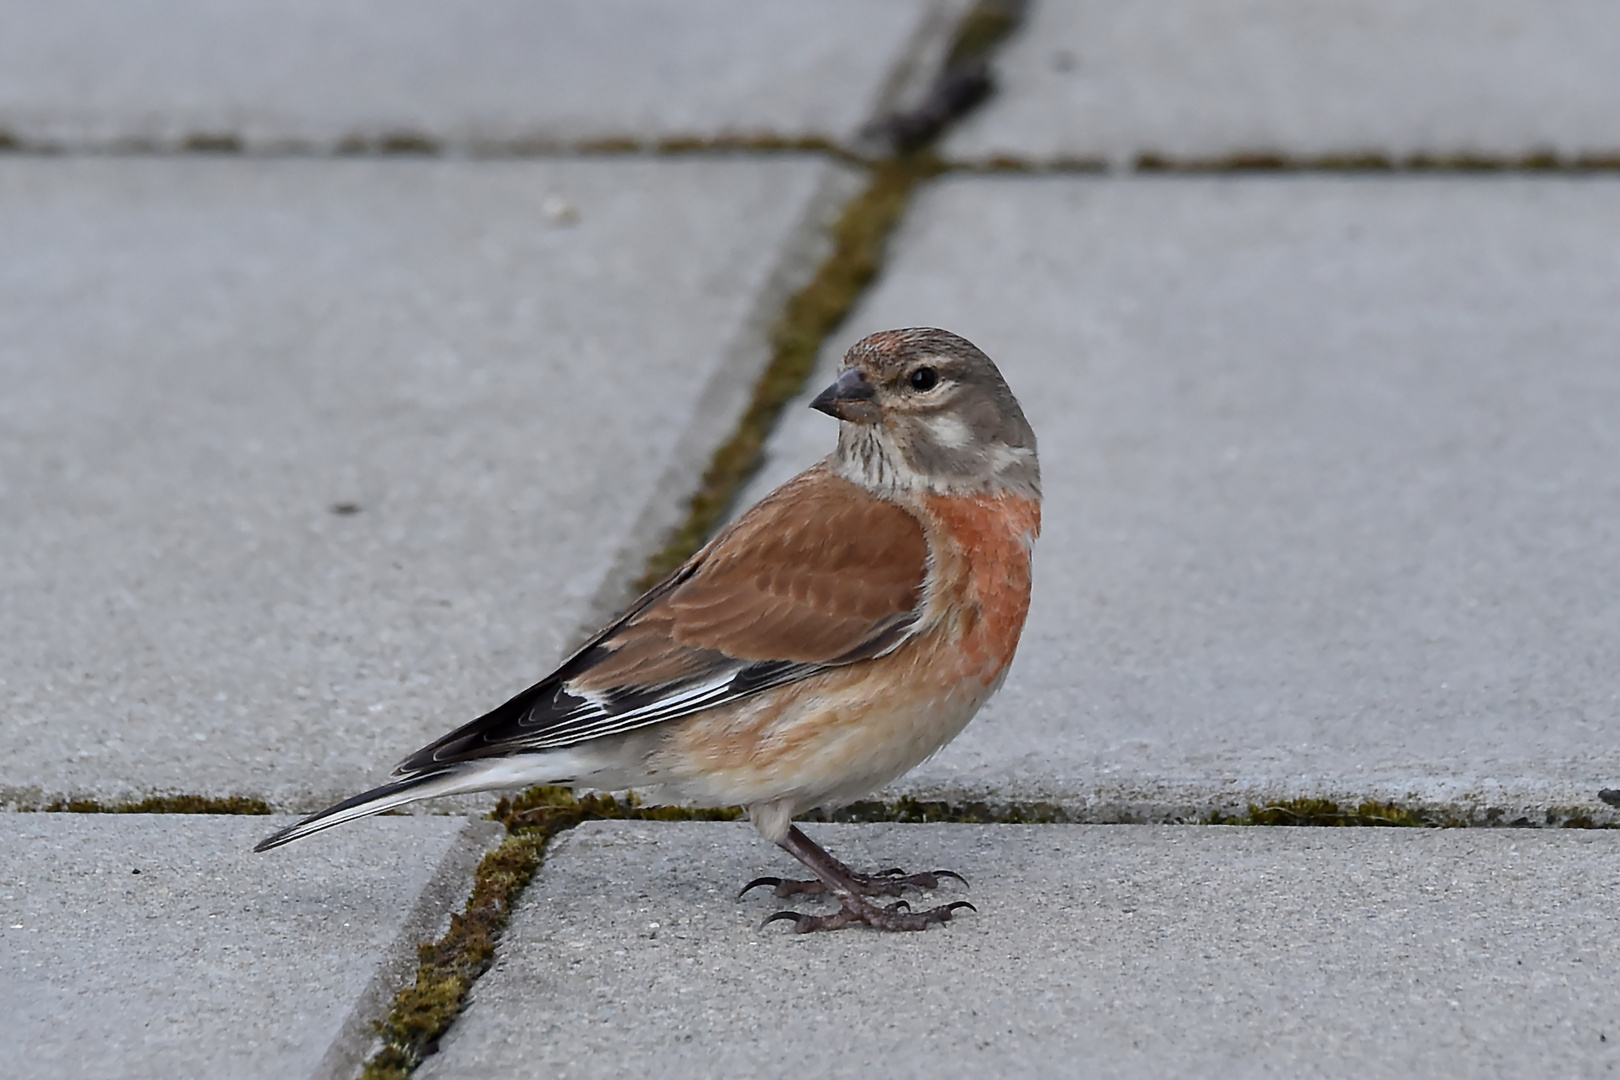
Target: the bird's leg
(851, 889)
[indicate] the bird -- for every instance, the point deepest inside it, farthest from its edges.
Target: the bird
(827, 641)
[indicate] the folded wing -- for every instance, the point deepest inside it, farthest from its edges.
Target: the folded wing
(818, 575)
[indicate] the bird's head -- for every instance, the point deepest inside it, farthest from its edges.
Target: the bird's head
(925, 410)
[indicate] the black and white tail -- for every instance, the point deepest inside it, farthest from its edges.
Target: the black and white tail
(458, 778)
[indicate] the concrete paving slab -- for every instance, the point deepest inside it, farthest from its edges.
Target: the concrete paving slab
(303, 463)
(1138, 951)
(499, 74)
(160, 946)
(1331, 495)
(1114, 79)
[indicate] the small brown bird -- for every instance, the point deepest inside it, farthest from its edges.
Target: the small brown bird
(831, 639)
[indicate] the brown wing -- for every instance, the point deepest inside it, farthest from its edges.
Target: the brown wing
(819, 573)
(813, 574)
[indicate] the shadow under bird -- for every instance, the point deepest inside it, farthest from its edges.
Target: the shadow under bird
(826, 642)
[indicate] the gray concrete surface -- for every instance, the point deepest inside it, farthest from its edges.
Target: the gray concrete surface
(1113, 79)
(161, 946)
(494, 75)
(515, 371)
(1331, 496)
(1123, 951)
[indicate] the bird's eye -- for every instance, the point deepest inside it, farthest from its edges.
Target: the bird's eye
(924, 378)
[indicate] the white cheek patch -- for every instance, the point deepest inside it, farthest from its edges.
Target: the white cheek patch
(949, 432)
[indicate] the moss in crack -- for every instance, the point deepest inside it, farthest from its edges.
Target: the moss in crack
(1325, 812)
(913, 811)
(392, 143)
(666, 146)
(212, 142)
(810, 315)
(409, 142)
(1370, 161)
(160, 804)
(611, 145)
(758, 144)
(1574, 817)
(447, 968)
(1002, 165)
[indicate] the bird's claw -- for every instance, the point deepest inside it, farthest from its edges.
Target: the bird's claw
(897, 916)
(781, 915)
(774, 882)
(891, 882)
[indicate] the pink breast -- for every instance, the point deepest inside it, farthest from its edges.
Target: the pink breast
(992, 538)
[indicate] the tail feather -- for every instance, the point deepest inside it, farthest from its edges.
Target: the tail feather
(461, 778)
(375, 801)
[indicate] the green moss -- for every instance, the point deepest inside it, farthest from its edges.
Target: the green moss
(914, 811)
(1573, 817)
(1372, 161)
(1325, 812)
(758, 144)
(9, 141)
(809, 316)
(1002, 165)
(160, 804)
(393, 142)
(407, 142)
(203, 142)
(615, 145)
(447, 968)
(1464, 162)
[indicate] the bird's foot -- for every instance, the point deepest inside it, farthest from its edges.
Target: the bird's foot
(891, 882)
(855, 909)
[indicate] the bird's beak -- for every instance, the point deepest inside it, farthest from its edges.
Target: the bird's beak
(849, 398)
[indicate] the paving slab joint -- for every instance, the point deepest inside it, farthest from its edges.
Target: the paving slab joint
(1320, 813)
(406, 143)
(448, 967)
(1466, 163)
(359, 1033)
(151, 804)
(1313, 811)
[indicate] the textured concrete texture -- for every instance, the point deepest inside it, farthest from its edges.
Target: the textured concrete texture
(1331, 496)
(161, 946)
(1138, 951)
(303, 463)
(1114, 79)
(493, 75)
